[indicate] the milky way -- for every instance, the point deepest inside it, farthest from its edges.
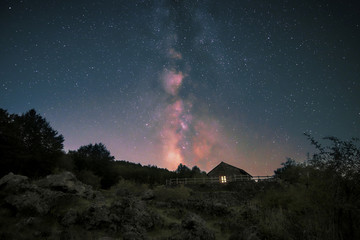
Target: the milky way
(192, 82)
(187, 138)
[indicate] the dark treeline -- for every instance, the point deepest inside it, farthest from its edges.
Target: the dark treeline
(29, 146)
(316, 199)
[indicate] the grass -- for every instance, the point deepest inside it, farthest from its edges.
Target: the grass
(169, 220)
(273, 214)
(163, 193)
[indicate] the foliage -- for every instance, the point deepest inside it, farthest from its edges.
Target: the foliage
(142, 174)
(318, 199)
(97, 159)
(126, 188)
(91, 157)
(341, 158)
(289, 172)
(28, 144)
(183, 171)
(89, 178)
(152, 174)
(164, 193)
(65, 163)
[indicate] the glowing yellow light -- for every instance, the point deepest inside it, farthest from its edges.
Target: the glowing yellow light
(223, 179)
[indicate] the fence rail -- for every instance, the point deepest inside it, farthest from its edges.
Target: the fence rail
(234, 178)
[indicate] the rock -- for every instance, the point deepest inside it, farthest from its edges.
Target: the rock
(148, 195)
(136, 214)
(66, 182)
(21, 195)
(69, 218)
(249, 233)
(160, 204)
(194, 227)
(96, 217)
(63, 198)
(131, 215)
(27, 222)
(13, 183)
(132, 233)
(34, 200)
(133, 236)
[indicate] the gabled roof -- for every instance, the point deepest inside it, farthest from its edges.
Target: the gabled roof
(227, 168)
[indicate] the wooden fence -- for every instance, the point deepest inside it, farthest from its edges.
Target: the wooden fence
(234, 178)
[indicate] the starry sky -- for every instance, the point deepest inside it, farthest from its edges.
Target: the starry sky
(192, 82)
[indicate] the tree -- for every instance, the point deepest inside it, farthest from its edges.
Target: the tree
(29, 145)
(289, 172)
(197, 173)
(9, 143)
(339, 167)
(97, 159)
(195, 170)
(342, 158)
(183, 171)
(319, 199)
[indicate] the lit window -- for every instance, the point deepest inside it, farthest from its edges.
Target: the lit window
(223, 179)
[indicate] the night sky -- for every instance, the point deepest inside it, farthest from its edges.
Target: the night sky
(192, 82)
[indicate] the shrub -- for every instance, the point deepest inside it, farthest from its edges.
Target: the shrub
(126, 187)
(89, 178)
(167, 194)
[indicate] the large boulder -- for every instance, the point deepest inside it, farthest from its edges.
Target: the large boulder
(21, 195)
(39, 201)
(66, 182)
(13, 183)
(41, 196)
(63, 198)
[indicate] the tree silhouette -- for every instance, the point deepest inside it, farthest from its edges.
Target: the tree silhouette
(322, 193)
(183, 171)
(28, 144)
(97, 159)
(9, 143)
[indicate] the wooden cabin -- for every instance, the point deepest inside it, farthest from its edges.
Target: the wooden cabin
(228, 173)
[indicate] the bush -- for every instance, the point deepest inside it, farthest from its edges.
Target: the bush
(318, 199)
(97, 159)
(89, 178)
(164, 193)
(125, 188)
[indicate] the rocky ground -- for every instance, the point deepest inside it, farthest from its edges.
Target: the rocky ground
(61, 207)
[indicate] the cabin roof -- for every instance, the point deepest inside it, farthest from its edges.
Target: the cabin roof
(224, 168)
